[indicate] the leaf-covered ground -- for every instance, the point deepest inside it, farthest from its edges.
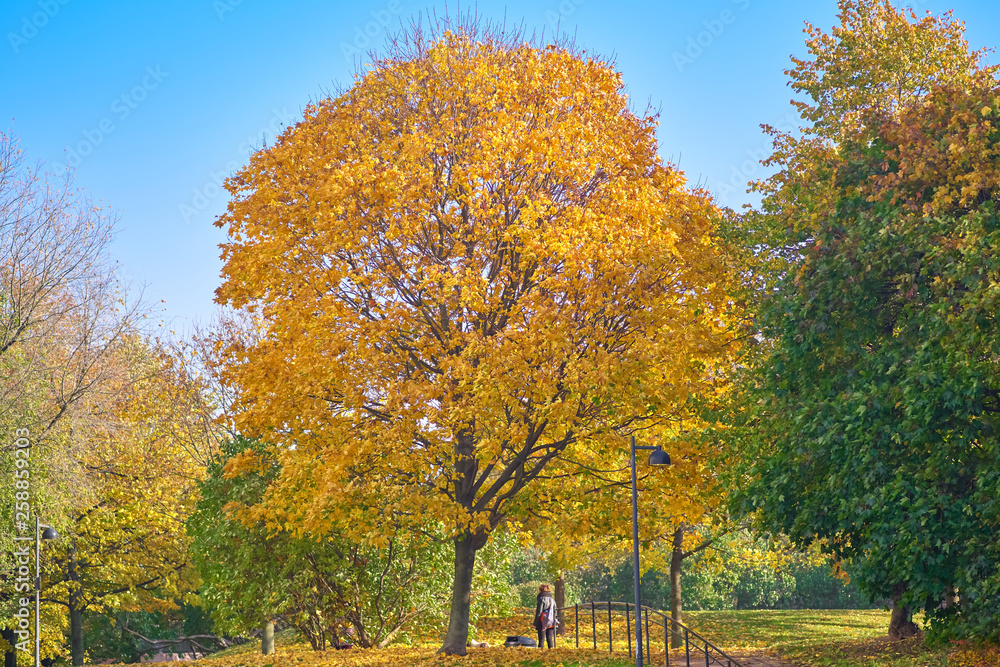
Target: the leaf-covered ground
(801, 638)
(300, 655)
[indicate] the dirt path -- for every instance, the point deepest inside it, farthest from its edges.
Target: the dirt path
(759, 659)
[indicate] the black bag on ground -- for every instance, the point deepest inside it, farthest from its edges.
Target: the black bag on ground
(513, 640)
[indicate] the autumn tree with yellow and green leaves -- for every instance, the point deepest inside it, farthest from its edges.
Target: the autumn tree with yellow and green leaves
(472, 274)
(99, 406)
(122, 545)
(869, 422)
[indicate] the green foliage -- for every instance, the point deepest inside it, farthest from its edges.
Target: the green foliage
(108, 637)
(713, 582)
(877, 407)
(326, 586)
(742, 571)
(104, 640)
(225, 552)
(817, 588)
(526, 593)
(492, 591)
(530, 565)
(196, 620)
(868, 425)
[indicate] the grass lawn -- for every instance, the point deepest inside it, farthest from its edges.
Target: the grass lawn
(834, 638)
(803, 638)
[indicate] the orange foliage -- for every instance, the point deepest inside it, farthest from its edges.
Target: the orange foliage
(859, 76)
(945, 152)
(469, 268)
(472, 272)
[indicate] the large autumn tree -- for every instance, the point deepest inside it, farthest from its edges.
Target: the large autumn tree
(472, 272)
(871, 424)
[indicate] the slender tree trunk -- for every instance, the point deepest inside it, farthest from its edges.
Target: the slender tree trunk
(561, 601)
(676, 607)
(461, 594)
(901, 625)
(75, 612)
(466, 544)
(10, 657)
(76, 633)
(267, 639)
(362, 639)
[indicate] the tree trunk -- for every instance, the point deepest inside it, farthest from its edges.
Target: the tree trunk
(950, 599)
(561, 601)
(676, 608)
(901, 625)
(75, 612)
(267, 639)
(461, 594)
(76, 633)
(10, 657)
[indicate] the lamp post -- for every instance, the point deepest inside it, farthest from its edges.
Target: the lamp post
(657, 457)
(48, 534)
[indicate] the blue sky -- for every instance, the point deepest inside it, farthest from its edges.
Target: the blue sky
(155, 103)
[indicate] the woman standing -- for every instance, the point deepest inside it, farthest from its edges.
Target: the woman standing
(545, 616)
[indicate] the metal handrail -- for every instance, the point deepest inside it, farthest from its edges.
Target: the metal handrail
(670, 626)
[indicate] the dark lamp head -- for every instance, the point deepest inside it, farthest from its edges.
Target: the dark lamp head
(658, 457)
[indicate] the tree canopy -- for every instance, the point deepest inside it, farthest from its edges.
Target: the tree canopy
(870, 424)
(472, 273)
(98, 403)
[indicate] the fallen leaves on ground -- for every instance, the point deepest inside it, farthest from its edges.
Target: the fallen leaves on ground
(808, 638)
(967, 655)
(303, 656)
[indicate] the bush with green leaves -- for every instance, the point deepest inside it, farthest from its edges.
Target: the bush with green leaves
(326, 587)
(329, 588)
(738, 571)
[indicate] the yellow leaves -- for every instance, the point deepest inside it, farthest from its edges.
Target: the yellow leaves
(966, 655)
(941, 148)
(243, 462)
(495, 655)
(478, 241)
(138, 463)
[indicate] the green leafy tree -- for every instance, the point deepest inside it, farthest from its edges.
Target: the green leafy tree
(327, 588)
(871, 420)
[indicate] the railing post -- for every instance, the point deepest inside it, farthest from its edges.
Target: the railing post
(706, 655)
(628, 629)
(593, 622)
(645, 611)
(687, 647)
(576, 622)
(666, 641)
(611, 644)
